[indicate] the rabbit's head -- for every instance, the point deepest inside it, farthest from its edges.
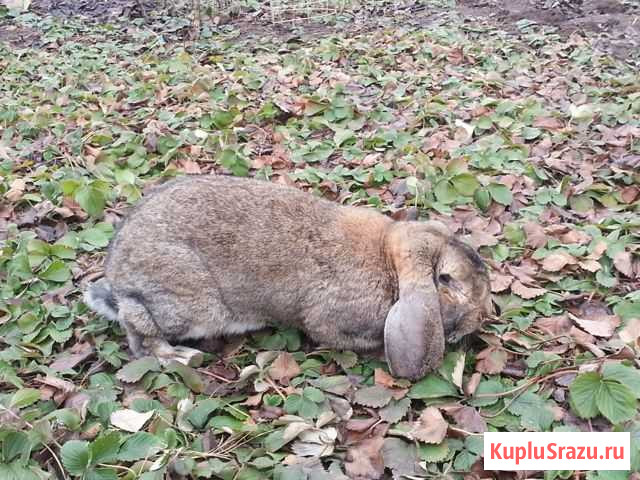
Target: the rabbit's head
(444, 294)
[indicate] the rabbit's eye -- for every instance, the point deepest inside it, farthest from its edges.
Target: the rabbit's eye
(444, 279)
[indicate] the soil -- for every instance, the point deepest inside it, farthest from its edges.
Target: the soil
(615, 24)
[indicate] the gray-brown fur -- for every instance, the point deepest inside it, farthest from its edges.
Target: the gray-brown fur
(205, 257)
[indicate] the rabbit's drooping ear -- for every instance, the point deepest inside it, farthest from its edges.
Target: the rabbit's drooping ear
(414, 335)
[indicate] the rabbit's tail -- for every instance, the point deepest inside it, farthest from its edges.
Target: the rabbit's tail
(100, 299)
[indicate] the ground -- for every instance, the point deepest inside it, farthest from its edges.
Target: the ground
(515, 123)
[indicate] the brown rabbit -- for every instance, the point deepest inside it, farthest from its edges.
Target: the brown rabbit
(207, 256)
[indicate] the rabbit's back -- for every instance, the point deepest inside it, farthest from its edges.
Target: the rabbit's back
(215, 255)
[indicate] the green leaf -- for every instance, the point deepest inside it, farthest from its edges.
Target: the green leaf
(342, 135)
(231, 160)
(190, 376)
(199, 415)
(57, 271)
(533, 411)
(433, 453)
(433, 386)
(105, 448)
(482, 198)
(395, 410)
(530, 133)
(375, 396)
(91, 200)
(616, 401)
(346, 359)
(140, 445)
(101, 474)
(583, 394)
(500, 193)
(337, 384)
(24, 397)
(465, 184)
(134, 371)
(444, 192)
(308, 408)
(275, 441)
(487, 387)
(75, 456)
(225, 422)
(314, 394)
(628, 376)
(16, 444)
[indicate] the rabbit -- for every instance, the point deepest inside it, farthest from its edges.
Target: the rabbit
(203, 257)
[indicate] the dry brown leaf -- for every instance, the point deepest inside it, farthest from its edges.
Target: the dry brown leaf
(66, 361)
(364, 461)
(524, 272)
(629, 194)
(630, 333)
(16, 189)
(556, 325)
(383, 378)
(467, 418)
(557, 261)
(603, 326)
(581, 337)
(491, 360)
(499, 281)
(598, 250)
(536, 237)
(590, 265)
(622, 261)
(472, 384)
(575, 236)
(284, 368)
(431, 427)
(526, 292)
(548, 123)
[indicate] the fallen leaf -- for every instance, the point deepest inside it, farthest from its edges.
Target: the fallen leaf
(16, 190)
(383, 378)
(548, 123)
(472, 384)
(590, 265)
(467, 418)
(601, 327)
(395, 410)
(130, 420)
(431, 427)
(499, 281)
(630, 333)
(284, 368)
(526, 292)
(491, 360)
(629, 194)
(536, 236)
(622, 261)
(316, 443)
(556, 261)
(67, 361)
(458, 370)
(364, 460)
(375, 397)
(401, 458)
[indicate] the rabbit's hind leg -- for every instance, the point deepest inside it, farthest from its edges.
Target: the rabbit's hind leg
(145, 338)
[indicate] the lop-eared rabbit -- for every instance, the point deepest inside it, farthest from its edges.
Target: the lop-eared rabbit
(207, 256)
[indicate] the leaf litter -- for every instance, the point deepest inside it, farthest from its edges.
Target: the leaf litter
(524, 144)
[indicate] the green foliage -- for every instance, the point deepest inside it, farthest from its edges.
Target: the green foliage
(537, 171)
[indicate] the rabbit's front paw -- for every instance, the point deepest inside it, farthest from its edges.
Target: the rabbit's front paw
(166, 353)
